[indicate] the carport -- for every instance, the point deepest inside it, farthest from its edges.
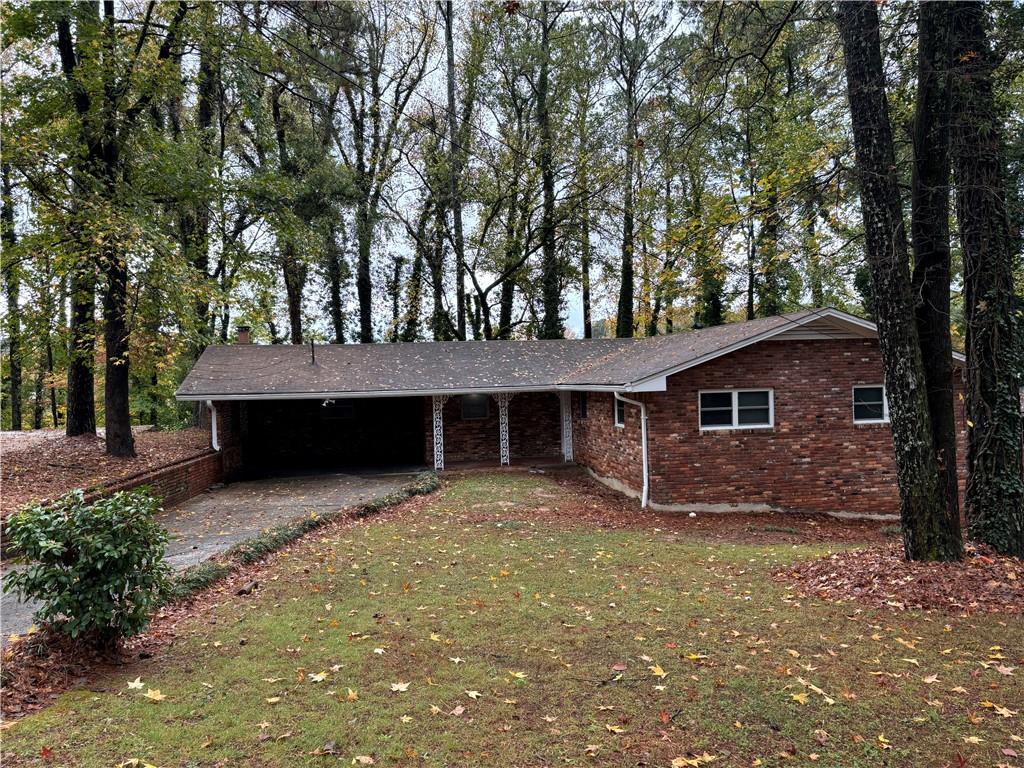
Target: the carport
(328, 408)
(331, 434)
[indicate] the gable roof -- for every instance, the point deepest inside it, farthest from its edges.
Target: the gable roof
(279, 371)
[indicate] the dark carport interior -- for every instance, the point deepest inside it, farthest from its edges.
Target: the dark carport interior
(332, 434)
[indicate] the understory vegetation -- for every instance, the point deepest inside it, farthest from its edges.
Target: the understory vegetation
(489, 625)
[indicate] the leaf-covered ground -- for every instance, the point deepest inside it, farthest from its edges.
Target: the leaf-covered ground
(483, 627)
(42, 464)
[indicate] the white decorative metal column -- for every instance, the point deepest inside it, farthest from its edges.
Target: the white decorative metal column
(439, 401)
(503, 398)
(565, 400)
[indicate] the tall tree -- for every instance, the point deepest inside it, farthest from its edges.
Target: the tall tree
(552, 326)
(377, 99)
(994, 502)
(930, 240)
(110, 98)
(456, 154)
(927, 534)
(12, 282)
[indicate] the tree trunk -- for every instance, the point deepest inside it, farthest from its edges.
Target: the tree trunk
(585, 258)
(454, 177)
(117, 414)
(196, 229)
(294, 272)
(54, 413)
(551, 279)
(395, 289)
(81, 404)
(751, 241)
(440, 323)
(994, 502)
(930, 240)
(38, 400)
(364, 284)
(414, 292)
(624, 323)
(334, 278)
(769, 288)
(12, 278)
(926, 533)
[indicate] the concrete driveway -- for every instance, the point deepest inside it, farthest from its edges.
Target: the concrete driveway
(211, 522)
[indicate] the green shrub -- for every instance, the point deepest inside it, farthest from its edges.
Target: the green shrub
(97, 569)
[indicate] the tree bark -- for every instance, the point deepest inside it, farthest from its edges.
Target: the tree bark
(624, 322)
(994, 502)
(81, 405)
(551, 279)
(455, 177)
(294, 272)
(930, 240)
(12, 278)
(926, 533)
(585, 258)
(334, 279)
(364, 284)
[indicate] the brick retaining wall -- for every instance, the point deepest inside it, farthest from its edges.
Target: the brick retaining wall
(173, 483)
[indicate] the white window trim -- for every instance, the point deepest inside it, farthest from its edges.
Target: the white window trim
(735, 409)
(615, 413)
(885, 404)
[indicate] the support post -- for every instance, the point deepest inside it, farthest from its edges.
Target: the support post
(438, 408)
(504, 453)
(565, 400)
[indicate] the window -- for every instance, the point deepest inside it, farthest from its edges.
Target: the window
(583, 405)
(620, 413)
(870, 405)
(737, 408)
(475, 407)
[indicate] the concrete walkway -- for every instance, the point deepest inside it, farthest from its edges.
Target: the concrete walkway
(213, 521)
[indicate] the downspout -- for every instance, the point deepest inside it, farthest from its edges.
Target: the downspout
(645, 493)
(214, 441)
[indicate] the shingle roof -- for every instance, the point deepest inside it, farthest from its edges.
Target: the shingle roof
(255, 370)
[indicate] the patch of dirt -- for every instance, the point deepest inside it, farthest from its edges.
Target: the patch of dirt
(879, 576)
(42, 464)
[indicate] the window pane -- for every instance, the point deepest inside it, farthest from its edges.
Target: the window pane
(716, 400)
(620, 412)
(867, 395)
(868, 412)
(716, 418)
(754, 399)
(475, 406)
(753, 416)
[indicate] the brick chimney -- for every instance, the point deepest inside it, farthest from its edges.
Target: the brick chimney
(243, 335)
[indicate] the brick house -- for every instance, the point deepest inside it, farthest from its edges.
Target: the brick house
(779, 413)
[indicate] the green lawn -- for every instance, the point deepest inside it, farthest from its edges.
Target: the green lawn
(475, 633)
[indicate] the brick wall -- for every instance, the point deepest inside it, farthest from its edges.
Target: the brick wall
(611, 452)
(174, 483)
(534, 427)
(814, 459)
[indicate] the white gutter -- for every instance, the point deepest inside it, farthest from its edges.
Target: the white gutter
(214, 441)
(645, 494)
